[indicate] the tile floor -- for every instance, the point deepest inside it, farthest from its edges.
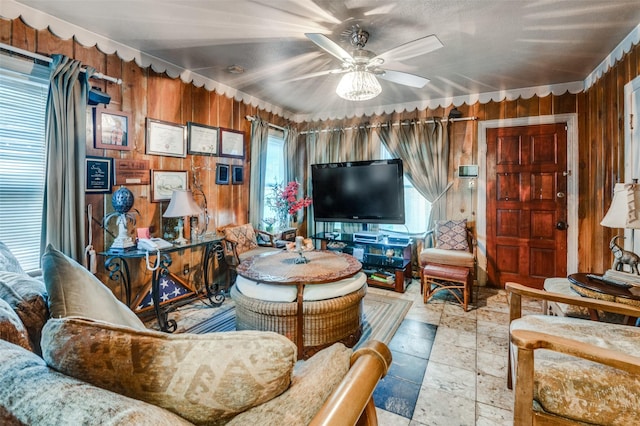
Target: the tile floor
(449, 366)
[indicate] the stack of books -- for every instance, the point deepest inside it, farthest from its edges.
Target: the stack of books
(623, 277)
(383, 277)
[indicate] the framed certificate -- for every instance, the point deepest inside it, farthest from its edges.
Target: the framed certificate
(231, 143)
(164, 138)
(201, 139)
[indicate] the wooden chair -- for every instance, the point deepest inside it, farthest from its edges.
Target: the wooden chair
(571, 371)
(447, 260)
(241, 242)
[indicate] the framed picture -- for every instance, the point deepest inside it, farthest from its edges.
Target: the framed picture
(201, 139)
(164, 138)
(164, 182)
(98, 175)
(112, 130)
(222, 174)
(237, 175)
(231, 143)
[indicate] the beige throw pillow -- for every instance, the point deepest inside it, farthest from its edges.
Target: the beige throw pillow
(74, 291)
(204, 378)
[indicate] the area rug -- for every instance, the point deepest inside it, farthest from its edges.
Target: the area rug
(382, 317)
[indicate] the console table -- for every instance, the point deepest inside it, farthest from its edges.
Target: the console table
(118, 269)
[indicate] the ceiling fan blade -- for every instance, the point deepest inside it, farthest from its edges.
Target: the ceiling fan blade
(411, 49)
(316, 74)
(404, 78)
(330, 46)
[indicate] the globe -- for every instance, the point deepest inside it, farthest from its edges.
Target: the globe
(122, 200)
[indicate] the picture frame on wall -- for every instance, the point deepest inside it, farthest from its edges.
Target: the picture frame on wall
(98, 175)
(164, 182)
(237, 175)
(222, 174)
(165, 138)
(112, 130)
(231, 143)
(202, 139)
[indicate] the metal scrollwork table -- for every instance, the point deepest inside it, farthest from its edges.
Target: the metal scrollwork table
(118, 269)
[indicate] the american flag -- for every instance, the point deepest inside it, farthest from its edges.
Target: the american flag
(171, 288)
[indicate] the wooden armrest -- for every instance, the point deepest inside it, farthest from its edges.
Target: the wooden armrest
(587, 302)
(268, 236)
(352, 401)
(532, 340)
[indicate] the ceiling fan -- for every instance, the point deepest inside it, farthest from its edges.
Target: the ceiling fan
(361, 66)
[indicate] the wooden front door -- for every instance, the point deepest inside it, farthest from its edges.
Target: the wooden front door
(526, 204)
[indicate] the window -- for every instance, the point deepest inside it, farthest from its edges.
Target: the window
(416, 208)
(24, 89)
(274, 174)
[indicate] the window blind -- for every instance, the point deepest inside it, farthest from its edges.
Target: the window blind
(24, 88)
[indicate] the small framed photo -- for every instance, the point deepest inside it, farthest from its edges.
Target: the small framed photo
(98, 175)
(164, 182)
(112, 130)
(222, 174)
(237, 175)
(201, 139)
(231, 143)
(164, 138)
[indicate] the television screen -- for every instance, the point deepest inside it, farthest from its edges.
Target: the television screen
(358, 191)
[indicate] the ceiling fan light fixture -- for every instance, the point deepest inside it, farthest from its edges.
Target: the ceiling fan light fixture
(358, 85)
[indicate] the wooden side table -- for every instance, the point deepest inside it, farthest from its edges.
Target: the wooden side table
(454, 279)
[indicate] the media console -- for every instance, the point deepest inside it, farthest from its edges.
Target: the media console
(386, 259)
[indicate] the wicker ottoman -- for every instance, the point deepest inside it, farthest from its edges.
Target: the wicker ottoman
(325, 322)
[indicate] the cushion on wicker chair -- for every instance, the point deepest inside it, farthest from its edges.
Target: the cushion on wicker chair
(579, 389)
(243, 236)
(452, 235)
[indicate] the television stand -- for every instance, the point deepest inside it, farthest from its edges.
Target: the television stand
(385, 260)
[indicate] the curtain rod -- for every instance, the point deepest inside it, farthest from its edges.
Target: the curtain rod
(250, 118)
(48, 59)
(397, 123)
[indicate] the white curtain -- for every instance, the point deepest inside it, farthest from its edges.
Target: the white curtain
(259, 143)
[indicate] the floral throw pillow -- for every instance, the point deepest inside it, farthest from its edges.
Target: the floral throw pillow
(452, 235)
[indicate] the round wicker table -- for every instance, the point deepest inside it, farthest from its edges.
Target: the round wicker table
(322, 267)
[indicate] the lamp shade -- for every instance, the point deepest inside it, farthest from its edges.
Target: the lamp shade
(358, 85)
(624, 211)
(182, 204)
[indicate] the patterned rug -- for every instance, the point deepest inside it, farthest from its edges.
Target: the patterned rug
(382, 317)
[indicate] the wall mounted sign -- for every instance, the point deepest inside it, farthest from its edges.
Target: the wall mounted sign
(164, 138)
(237, 175)
(222, 174)
(98, 175)
(132, 172)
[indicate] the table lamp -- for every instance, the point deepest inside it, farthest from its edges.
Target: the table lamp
(624, 213)
(182, 204)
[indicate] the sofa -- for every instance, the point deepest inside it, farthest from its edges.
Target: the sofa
(72, 353)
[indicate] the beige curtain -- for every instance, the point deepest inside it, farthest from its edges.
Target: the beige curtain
(338, 145)
(63, 223)
(259, 138)
(424, 150)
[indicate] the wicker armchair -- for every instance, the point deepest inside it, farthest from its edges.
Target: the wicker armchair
(244, 241)
(572, 371)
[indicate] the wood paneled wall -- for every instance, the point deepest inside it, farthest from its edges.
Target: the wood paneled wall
(148, 94)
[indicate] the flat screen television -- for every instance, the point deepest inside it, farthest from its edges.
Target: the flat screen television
(358, 191)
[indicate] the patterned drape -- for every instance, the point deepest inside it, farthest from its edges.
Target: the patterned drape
(63, 223)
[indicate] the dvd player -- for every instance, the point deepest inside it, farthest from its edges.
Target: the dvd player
(367, 237)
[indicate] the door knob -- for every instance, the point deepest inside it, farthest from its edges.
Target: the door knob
(562, 225)
(560, 195)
